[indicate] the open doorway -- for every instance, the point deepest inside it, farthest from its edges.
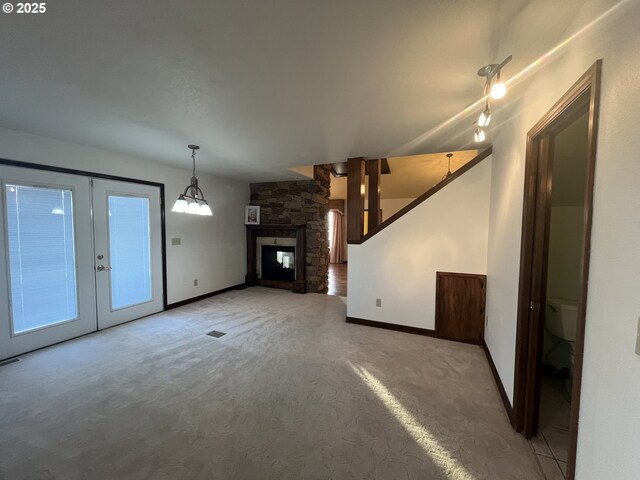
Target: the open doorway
(337, 236)
(554, 270)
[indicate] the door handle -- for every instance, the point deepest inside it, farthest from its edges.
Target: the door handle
(102, 268)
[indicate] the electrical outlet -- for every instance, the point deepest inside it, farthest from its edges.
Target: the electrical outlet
(176, 241)
(195, 282)
(638, 339)
(378, 302)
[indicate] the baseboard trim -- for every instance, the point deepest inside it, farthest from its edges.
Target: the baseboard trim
(182, 303)
(392, 326)
(501, 390)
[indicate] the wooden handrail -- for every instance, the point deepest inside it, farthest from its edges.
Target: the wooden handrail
(436, 188)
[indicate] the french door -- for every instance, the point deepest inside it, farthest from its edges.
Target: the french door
(47, 290)
(67, 269)
(128, 252)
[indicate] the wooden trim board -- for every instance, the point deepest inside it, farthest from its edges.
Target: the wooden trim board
(501, 390)
(182, 303)
(391, 326)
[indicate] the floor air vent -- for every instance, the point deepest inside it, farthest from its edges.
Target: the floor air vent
(216, 334)
(13, 360)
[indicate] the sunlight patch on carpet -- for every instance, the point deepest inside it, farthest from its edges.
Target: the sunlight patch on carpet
(420, 434)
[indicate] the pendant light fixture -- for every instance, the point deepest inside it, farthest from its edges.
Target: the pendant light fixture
(495, 89)
(192, 200)
(448, 174)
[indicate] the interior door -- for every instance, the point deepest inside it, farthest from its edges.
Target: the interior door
(47, 290)
(128, 251)
(460, 306)
(538, 293)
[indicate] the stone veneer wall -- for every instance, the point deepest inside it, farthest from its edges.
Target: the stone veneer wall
(301, 202)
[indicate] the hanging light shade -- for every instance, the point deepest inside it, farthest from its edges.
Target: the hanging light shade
(479, 136)
(192, 200)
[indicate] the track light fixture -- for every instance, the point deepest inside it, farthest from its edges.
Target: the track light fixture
(192, 200)
(494, 88)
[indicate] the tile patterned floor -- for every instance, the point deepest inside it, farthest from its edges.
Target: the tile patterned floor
(551, 444)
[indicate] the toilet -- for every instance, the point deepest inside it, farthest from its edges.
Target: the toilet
(562, 318)
(561, 324)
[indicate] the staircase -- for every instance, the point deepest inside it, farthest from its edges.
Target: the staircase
(392, 269)
(355, 240)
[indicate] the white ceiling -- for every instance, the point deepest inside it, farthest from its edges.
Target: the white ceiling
(262, 85)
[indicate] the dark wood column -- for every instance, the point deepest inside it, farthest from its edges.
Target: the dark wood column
(374, 170)
(300, 283)
(251, 278)
(355, 199)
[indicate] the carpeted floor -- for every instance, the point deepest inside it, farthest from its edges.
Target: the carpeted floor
(290, 392)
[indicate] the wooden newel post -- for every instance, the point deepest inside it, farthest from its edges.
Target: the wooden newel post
(355, 199)
(374, 168)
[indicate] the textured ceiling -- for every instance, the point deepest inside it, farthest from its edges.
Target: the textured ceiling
(262, 86)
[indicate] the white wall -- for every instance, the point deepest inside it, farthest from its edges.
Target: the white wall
(609, 414)
(213, 248)
(448, 232)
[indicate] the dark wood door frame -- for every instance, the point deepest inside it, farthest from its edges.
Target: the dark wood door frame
(582, 97)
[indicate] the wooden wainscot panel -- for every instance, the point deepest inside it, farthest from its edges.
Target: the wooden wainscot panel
(460, 306)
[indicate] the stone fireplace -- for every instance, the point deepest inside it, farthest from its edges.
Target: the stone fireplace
(287, 205)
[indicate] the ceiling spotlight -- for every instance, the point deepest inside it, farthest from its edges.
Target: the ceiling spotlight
(485, 116)
(479, 136)
(498, 89)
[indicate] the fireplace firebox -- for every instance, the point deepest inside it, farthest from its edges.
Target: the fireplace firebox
(278, 263)
(276, 256)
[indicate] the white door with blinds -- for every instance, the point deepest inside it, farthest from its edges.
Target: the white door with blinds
(47, 292)
(128, 252)
(75, 257)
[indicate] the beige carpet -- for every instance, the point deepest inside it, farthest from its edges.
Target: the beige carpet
(290, 392)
